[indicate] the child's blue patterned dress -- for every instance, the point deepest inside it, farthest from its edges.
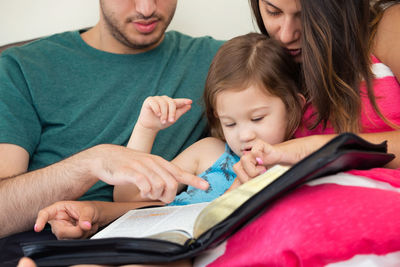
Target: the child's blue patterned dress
(220, 176)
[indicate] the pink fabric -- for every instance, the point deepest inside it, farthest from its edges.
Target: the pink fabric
(328, 223)
(317, 225)
(387, 93)
(390, 176)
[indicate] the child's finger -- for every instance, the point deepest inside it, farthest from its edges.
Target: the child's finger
(182, 106)
(171, 109)
(163, 103)
(181, 111)
(241, 175)
(180, 102)
(155, 107)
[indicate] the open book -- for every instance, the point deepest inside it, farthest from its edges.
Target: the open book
(172, 223)
(215, 222)
(183, 224)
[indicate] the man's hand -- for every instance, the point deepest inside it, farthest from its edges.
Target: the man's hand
(155, 177)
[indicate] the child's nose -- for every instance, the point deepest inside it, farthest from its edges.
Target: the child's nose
(247, 135)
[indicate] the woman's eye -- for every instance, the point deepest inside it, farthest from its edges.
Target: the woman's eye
(273, 13)
(230, 124)
(270, 9)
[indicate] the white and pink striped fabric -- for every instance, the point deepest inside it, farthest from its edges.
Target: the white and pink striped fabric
(347, 219)
(340, 220)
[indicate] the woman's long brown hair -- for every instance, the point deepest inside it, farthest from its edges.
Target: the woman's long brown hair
(335, 60)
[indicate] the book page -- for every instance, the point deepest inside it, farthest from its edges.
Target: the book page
(222, 207)
(151, 221)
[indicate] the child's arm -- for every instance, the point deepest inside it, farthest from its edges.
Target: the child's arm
(157, 113)
(81, 219)
(200, 156)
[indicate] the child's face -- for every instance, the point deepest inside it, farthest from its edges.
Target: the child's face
(246, 115)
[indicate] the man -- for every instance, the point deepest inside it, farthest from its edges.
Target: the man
(69, 101)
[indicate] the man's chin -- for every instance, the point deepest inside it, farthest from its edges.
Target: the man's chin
(146, 42)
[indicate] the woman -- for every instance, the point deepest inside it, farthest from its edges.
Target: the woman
(348, 217)
(331, 40)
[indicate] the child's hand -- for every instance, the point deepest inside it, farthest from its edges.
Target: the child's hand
(264, 155)
(69, 219)
(252, 164)
(160, 112)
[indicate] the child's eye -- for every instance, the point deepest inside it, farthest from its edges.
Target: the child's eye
(230, 124)
(257, 118)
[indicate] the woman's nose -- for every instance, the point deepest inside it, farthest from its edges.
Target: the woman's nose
(290, 30)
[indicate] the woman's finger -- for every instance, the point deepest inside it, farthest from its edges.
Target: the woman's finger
(41, 220)
(66, 229)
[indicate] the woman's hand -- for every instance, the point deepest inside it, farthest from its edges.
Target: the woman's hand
(264, 155)
(81, 219)
(70, 219)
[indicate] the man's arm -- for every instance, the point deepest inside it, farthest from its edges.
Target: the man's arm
(23, 195)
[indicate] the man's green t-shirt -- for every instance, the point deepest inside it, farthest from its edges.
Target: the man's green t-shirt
(59, 96)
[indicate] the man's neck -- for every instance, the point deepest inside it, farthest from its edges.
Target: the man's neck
(99, 38)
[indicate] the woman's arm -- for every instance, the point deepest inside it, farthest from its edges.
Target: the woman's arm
(294, 150)
(387, 40)
(393, 142)
(80, 219)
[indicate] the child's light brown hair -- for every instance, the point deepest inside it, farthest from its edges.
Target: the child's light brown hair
(253, 59)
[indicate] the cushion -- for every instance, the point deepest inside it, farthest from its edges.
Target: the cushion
(330, 220)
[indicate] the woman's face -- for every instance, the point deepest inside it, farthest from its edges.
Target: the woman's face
(282, 19)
